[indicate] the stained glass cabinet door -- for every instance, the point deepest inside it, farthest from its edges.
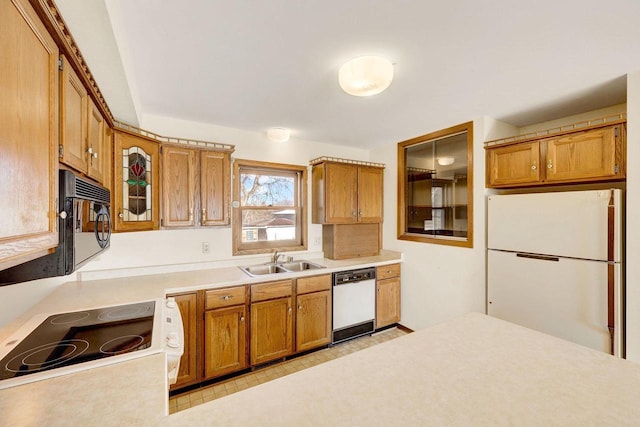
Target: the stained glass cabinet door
(136, 192)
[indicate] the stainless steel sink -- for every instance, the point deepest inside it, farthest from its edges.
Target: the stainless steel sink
(287, 267)
(301, 266)
(261, 269)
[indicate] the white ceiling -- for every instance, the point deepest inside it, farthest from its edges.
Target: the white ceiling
(262, 63)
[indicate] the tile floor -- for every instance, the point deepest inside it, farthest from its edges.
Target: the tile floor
(271, 372)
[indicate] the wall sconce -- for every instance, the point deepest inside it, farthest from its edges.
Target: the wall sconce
(365, 75)
(446, 160)
(278, 134)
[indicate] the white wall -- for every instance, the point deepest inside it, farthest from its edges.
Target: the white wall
(633, 217)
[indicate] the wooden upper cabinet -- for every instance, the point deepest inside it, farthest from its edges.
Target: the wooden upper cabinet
(82, 127)
(345, 193)
(370, 194)
(514, 165)
(178, 186)
(28, 135)
(195, 187)
(585, 156)
(215, 188)
(136, 178)
(588, 156)
(73, 118)
(97, 149)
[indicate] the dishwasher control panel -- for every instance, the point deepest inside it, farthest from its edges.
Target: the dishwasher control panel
(354, 276)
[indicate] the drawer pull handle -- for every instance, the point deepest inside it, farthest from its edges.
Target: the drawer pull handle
(227, 297)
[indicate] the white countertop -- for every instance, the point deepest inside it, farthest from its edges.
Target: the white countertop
(132, 392)
(474, 370)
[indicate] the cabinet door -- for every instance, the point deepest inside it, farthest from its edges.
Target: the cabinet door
(95, 142)
(178, 186)
(513, 165)
(107, 157)
(387, 302)
(28, 135)
(136, 176)
(313, 320)
(73, 119)
(271, 330)
(215, 188)
(187, 373)
(225, 345)
(370, 194)
(583, 156)
(341, 187)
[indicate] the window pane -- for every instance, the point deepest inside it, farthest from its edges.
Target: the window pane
(267, 190)
(436, 195)
(268, 225)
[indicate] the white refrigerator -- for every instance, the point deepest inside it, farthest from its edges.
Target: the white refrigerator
(555, 264)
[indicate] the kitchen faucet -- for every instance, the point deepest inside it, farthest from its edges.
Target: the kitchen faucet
(275, 256)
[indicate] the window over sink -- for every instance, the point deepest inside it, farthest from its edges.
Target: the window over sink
(435, 187)
(269, 207)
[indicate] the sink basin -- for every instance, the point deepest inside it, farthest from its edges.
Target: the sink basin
(260, 269)
(287, 267)
(301, 266)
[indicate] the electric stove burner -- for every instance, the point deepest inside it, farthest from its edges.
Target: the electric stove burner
(125, 312)
(70, 338)
(69, 318)
(56, 354)
(121, 345)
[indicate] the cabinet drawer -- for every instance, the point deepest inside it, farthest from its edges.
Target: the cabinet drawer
(306, 285)
(386, 271)
(225, 297)
(271, 290)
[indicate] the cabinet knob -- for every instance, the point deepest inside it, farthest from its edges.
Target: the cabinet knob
(227, 297)
(549, 165)
(120, 215)
(359, 212)
(95, 155)
(353, 213)
(300, 307)
(289, 309)
(534, 167)
(191, 214)
(204, 215)
(242, 318)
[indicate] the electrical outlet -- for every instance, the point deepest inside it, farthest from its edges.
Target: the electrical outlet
(205, 247)
(317, 241)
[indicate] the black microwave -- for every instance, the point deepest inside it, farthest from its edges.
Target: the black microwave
(84, 226)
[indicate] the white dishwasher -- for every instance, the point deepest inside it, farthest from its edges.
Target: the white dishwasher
(354, 303)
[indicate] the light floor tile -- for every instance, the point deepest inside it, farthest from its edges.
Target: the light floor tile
(271, 372)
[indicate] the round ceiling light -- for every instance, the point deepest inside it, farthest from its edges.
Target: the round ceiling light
(278, 134)
(365, 75)
(446, 160)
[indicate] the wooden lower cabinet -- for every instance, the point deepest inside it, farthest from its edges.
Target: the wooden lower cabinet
(271, 330)
(313, 320)
(387, 295)
(188, 371)
(225, 345)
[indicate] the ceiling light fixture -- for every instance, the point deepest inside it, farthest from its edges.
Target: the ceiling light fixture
(278, 134)
(446, 160)
(365, 75)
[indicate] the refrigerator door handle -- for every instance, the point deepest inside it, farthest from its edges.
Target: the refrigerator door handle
(538, 257)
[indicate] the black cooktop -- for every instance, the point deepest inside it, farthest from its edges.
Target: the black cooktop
(81, 336)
